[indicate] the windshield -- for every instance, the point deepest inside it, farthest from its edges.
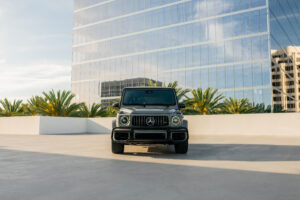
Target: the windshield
(149, 97)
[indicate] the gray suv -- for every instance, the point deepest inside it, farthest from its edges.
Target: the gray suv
(149, 115)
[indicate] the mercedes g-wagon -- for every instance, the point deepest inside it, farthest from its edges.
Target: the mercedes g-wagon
(149, 115)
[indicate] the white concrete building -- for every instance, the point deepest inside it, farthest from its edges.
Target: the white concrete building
(285, 78)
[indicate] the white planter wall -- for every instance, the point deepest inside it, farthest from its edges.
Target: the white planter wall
(99, 125)
(283, 124)
(19, 125)
(62, 125)
(279, 124)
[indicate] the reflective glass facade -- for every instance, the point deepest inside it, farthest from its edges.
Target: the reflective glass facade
(222, 44)
(285, 53)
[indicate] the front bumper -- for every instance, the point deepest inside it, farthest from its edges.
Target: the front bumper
(150, 136)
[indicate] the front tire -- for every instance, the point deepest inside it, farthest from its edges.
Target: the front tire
(182, 148)
(117, 148)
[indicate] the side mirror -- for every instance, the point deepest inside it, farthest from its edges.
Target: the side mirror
(116, 105)
(181, 105)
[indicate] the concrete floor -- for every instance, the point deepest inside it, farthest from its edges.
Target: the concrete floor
(82, 167)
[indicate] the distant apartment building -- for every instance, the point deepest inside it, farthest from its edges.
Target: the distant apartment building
(286, 78)
(221, 44)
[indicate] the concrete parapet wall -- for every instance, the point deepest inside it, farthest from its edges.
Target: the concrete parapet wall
(99, 125)
(19, 125)
(281, 124)
(62, 125)
(277, 124)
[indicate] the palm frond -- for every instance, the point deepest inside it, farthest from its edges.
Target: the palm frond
(9, 108)
(204, 102)
(237, 106)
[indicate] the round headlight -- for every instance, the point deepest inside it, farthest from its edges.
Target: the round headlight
(124, 120)
(176, 120)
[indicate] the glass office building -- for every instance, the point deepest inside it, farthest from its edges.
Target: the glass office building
(285, 53)
(222, 44)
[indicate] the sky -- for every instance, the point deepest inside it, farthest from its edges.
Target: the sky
(35, 47)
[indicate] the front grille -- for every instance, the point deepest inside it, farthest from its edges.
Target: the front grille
(158, 120)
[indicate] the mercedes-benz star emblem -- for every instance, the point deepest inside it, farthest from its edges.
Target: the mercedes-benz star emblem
(150, 121)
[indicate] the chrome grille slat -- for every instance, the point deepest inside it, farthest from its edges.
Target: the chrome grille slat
(141, 120)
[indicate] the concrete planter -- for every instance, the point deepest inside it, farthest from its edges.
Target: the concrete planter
(283, 124)
(275, 124)
(20, 125)
(40, 125)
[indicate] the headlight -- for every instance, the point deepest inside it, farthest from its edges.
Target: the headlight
(176, 120)
(124, 120)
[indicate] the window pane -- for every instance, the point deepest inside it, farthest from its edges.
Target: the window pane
(238, 72)
(212, 77)
(229, 77)
(204, 78)
(221, 83)
(257, 75)
(247, 75)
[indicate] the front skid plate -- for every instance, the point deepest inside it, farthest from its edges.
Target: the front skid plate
(168, 136)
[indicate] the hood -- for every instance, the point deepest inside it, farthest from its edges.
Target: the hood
(154, 111)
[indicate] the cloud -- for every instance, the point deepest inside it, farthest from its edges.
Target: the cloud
(58, 4)
(50, 36)
(35, 50)
(203, 7)
(2, 61)
(28, 80)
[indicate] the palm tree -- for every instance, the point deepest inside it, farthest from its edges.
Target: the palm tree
(278, 109)
(14, 108)
(33, 105)
(261, 108)
(204, 102)
(59, 104)
(96, 110)
(151, 83)
(237, 106)
(111, 111)
(180, 92)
